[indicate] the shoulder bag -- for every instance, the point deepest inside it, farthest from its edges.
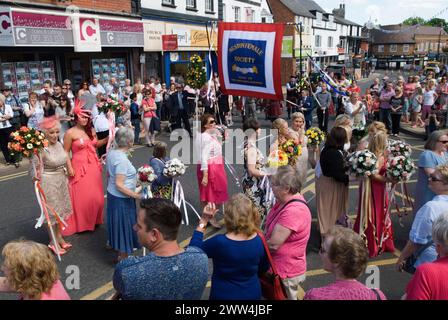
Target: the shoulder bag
(272, 287)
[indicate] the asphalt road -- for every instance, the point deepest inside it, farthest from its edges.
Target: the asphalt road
(95, 262)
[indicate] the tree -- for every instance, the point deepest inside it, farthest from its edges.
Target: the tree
(437, 22)
(413, 21)
(196, 76)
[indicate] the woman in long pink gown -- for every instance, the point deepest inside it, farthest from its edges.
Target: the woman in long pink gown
(86, 185)
(377, 230)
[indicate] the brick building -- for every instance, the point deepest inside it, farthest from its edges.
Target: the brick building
(78, 39)
(396, 45)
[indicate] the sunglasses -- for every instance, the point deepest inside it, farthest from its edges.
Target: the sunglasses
(432, 178)
(443, 141)
(64, 88)
(212, 122)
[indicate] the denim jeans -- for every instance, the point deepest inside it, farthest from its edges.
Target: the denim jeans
(386, 118)
(136, 125)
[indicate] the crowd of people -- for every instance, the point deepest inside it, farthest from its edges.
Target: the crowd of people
(70, 174)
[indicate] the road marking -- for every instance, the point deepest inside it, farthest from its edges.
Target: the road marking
(13, 176)
(109, 286)
(357, 186)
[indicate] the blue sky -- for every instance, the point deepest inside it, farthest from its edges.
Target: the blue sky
(387, 11)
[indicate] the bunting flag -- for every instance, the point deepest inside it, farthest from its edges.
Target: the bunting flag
(249, 59)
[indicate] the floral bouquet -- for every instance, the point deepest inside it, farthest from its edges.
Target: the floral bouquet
(399, 148)
(27, 142)
(400, 168)
(293, 149)
(174, 168)
(359, 131)
(363, 163)
(315, 136)
(277, 159)
(146, 176)
(113, 105)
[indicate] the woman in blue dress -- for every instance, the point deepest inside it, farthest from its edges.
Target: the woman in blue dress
(121, 196)
(435, 154)
(161, 187)
(239, 255)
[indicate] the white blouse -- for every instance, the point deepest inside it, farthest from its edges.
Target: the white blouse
(209, 148)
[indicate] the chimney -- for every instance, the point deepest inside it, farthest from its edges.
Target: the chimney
(340, 12)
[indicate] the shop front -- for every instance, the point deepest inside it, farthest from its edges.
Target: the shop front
(42, 45)
(191, 39)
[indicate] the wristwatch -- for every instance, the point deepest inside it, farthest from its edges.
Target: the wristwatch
(203, 225)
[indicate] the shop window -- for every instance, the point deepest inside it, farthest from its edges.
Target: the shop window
(24, 77)
(105, 69)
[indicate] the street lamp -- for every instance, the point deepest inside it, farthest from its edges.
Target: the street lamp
(299, 29)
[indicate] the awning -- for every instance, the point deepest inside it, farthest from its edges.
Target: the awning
(39, 28)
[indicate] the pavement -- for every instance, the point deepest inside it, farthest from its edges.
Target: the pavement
(94, 262)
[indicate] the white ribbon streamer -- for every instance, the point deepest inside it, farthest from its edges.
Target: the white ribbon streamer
(178, 197)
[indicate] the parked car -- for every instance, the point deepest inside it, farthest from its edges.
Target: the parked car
(431, 66)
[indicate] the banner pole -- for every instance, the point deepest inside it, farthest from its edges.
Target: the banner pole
(215, 102)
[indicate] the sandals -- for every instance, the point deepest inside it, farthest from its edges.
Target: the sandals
(61, 250)
(66, 246)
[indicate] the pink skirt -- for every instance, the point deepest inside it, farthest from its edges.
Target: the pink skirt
(216, 189)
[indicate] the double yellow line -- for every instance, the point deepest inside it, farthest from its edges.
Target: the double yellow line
(13, 176)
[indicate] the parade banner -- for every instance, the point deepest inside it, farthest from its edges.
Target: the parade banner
(249, 58)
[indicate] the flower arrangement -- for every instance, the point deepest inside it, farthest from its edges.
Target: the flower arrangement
(196, 75)
(399, 148)
(359, 131)
(112, 104)
(315, 136)
(174, 168)
(26, 142)
(293, 149)
(146, 176)
(277, 159)
(363, 163)
(400, 168)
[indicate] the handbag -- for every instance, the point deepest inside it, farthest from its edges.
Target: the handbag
(412, 259)
(154, 125)
(272, 287)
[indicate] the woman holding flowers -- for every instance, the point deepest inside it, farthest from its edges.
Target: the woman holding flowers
(254, 166)
(212, 178)
(121, 195)
(332, 194)
(287, 141)
(298, 128)
(49, 167)
(373, 220)
(84, 169)
(161, 187)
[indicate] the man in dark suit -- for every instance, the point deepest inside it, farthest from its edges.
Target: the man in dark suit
(179, 108)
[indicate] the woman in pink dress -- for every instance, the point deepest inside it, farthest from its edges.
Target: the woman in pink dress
(84, 168)
(212, 178)
(377, 229)
(31, 271)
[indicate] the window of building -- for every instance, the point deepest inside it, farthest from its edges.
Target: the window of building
(168, 2)
(393, 48)
(406, 48)
(381, 48)
(237, 14)
(191, 4)
(224, 12)
(209, 6)
(249, 15)
(263, 19)
(330, 42)
(318, 42)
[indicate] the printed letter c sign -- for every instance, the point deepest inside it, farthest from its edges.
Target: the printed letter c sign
(88, 30)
